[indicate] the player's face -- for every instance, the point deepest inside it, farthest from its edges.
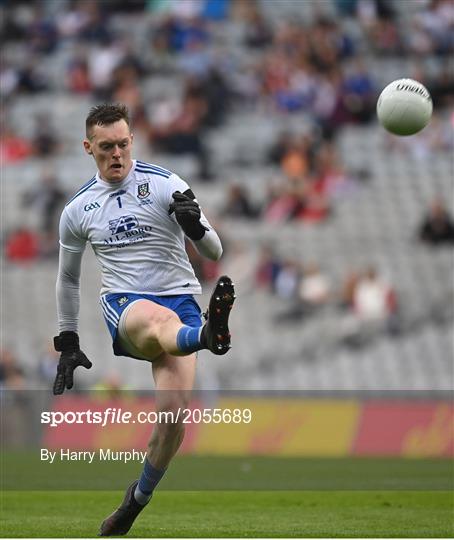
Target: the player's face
(111, 147)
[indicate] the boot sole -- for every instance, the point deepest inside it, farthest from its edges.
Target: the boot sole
(221, 303)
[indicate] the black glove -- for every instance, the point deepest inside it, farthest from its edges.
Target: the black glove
(71, 356)
(187, 213)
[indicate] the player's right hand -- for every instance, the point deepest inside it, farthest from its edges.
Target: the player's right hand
(71, 356)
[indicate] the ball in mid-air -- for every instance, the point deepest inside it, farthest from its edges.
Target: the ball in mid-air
(404, 107)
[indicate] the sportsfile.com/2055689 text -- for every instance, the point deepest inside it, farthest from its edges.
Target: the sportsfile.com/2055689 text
(112, 415)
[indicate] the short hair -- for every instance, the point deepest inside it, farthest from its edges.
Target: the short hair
(104, 115)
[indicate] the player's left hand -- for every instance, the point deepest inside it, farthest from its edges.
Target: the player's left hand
(187, 213)
(71, 357)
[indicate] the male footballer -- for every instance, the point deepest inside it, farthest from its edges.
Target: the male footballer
(136, 215)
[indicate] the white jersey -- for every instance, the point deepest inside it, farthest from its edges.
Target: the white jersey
(141, 248)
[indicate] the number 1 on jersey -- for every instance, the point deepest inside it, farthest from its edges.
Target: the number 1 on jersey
(119, 201)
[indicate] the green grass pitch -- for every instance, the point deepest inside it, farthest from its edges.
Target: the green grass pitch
(342, 498)
(236, 514)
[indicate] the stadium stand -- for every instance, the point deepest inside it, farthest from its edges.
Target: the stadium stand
(374, 219)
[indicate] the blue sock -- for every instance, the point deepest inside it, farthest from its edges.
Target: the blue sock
(188, 339)
(148, 481)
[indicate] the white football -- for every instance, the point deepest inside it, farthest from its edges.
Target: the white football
(404, 107)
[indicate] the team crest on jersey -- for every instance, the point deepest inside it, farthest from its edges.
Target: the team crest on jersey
(143, 190)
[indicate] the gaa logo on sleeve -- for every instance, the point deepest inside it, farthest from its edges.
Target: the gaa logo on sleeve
(123, 224)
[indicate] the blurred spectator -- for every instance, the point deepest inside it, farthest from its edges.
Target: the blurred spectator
(126, 88)
(312, 291)
(13, 147)
(72, 21)
(385, 37)
(302, 197)
(373, 298)
(45, 136)
(438, 227)
(238, 203)
(329, 44)
(48, 198)
(327, 106)
(432, 29)
(30, 78)
(182, 134)
(268, 268)
(286, 284)
(295, 158)
(258, 32)
(181, 31)
(9, 79)
(218, 95)
(347, 290)
(94, 19)
(378, 19)
(374, 310)
(131, 64)
(441, 88)
(196, 60)
(22, 245)
(47, 365)
(11, 373)
(105, 56)
(77, 74)
(314, 288)
(42, 36)
(346, 97)
(283, 203)
(215, 10)
(13, 25)
(314, 200)
(312, 176)
(359, 95)
(329, 177)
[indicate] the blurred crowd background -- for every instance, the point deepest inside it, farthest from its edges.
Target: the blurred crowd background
(338, 235)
